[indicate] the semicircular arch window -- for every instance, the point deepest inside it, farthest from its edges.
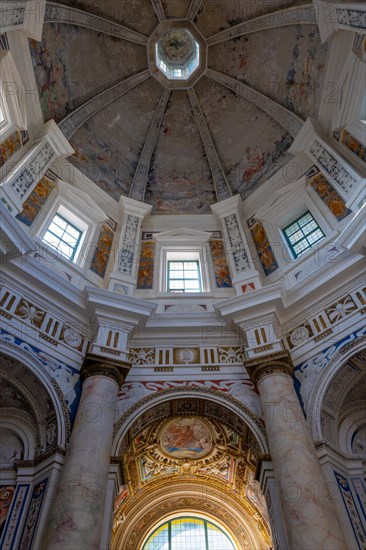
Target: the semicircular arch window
(188, 532)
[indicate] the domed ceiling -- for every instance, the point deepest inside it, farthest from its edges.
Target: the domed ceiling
(184, 141)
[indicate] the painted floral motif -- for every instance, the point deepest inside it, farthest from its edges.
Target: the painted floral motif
(330, 197)
(145, 277)
(353, 145)
(264, 249)
(102, 251)
(6, 496)
(221, 268)
(352, 511)
(34, 203)
(33, 514)
(8, 147)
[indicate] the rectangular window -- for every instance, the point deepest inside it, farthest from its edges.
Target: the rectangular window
(302, 234)
(184, 276)
(63, 236)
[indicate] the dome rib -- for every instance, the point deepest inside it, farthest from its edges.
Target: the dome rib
(295, 15)
(193, 9)
(222, 187)
(59, 13)
(288, 120)
(74, 120)
(159, 10)
(139, 182)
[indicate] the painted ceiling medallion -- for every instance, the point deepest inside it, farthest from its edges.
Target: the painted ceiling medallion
(186, 438)
(177, 53)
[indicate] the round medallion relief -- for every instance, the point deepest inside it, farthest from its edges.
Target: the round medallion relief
(186, 438)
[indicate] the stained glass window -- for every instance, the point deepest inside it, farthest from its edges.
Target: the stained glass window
(188, 533)
(302, 234)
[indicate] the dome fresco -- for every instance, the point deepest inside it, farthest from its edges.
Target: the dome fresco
(170, 139)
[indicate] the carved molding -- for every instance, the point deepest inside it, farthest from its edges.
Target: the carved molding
(279, 362)
(98, 366)
(159, 10)
(221, 184)
(193, 9)
(58, 13)
(73, 121)
(291, 122)
(139, 182)
(298, 15)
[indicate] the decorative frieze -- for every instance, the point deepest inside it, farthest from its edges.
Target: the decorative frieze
(46, 325)
(353, 18)
(33, 170)
(351, 508)
(321, 324)
(333, 168)
(237, 244)
(179, 356)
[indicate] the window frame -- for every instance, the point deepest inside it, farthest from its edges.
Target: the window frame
(199, 277)
(61, 239)
(75, 218)
(292, 245)
(202, 518)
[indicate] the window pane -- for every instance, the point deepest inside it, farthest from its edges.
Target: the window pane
(60, 221)
(303, 233)
(56, 229)
(188, 534)
(184, 276)
(217, 540)
(62, 236)
(176, 274)
(192, 285)
(159, 540)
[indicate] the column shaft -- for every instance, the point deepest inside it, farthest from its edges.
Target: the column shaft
(307, 505)
(78, 513)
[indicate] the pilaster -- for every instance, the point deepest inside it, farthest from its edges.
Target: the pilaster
(27, 16)
(19, 179)
(244, 274)
(124, 275)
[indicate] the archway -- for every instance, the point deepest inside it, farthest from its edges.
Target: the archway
(193, 453)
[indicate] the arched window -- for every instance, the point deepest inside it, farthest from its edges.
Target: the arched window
(188, 532)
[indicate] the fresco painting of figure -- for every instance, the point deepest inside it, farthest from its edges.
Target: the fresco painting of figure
(186, 438)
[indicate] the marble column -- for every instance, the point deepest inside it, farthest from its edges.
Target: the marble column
(310, 517)
(76, 520)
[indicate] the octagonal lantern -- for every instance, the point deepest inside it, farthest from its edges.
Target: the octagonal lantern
(177, 54)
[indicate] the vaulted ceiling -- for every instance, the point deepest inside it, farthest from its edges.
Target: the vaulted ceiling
(179, 150)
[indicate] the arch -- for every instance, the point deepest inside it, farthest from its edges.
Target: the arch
(53, 390)
(165, 499)
(132, 414)
(20, 423)
(324, 381)
(350, 425)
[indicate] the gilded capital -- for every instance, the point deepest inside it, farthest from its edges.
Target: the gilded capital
(279, 362)
(98, 366)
